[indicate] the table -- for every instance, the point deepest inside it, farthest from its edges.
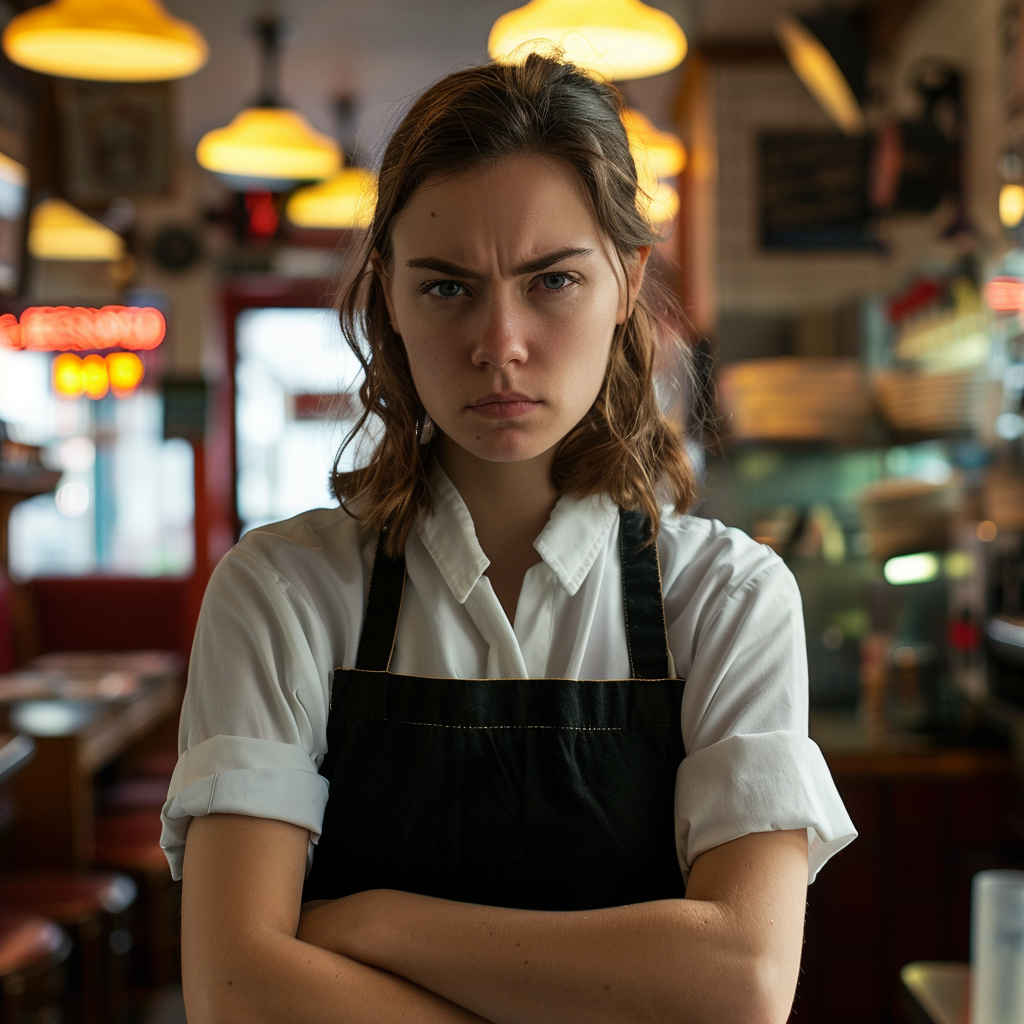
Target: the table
(930, 816)
(15, 752)
(81, 715)
(938, 991)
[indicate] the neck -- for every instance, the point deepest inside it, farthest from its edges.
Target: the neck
(510, 502)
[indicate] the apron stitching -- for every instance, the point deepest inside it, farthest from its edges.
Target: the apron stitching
(565, 728)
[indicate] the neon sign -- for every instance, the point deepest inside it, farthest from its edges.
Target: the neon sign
(1005, 294)
(120, 372)
(83, 329)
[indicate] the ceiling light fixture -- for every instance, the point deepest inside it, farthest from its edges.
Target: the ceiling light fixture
(657, 154)
(343, 202)
(268, 142)
(828, 55)
(105, 40)
(1011, 205)
(660, 203)
(59, 231)
(613, 39)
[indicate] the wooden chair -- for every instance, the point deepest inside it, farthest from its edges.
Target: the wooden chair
(33, 952)
(94, 909)
(129, 841)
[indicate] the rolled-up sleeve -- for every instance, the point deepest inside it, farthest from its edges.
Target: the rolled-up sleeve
(253, 726)
(750, 766)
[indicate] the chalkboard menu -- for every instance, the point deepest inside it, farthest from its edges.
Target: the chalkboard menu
(814, 191)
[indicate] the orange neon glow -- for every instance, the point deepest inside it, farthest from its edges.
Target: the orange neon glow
(125, 371)
(95, 376)
(120, 372)
(1005, 294)
(83, 329)
(67, 376)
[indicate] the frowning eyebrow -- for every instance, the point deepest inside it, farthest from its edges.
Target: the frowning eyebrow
(530, 267)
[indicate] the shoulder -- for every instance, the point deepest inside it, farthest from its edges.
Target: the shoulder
(318, 555)
(703, 555)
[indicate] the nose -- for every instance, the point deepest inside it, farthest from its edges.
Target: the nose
(502, 335)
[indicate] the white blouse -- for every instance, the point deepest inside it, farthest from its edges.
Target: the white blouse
(284, 609)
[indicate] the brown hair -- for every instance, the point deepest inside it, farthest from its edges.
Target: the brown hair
(624, 446)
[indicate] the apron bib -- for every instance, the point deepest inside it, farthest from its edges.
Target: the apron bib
(542, 794)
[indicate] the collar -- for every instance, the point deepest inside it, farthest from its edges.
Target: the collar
(569, 544)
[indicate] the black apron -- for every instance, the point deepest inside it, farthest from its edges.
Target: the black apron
(543, 794)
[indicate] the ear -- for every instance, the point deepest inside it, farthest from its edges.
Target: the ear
(380, 269)
(634, 279)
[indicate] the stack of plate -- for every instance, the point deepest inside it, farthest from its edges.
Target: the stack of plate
(927, 402)
(794, 399)
(902, 516)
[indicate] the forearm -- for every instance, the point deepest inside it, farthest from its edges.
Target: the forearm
(241, 960)
(675, 960)
(281, 979)
(729, 952)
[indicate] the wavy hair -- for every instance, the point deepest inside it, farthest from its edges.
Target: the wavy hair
(624, 446)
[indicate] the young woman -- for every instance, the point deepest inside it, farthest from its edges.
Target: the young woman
(562, 773)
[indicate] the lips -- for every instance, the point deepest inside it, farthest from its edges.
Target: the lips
(504, 405)
(501, 398)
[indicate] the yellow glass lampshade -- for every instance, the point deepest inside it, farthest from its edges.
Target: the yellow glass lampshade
(613, 39)
(269, 142)
(57, 231)
(659, 201)
(12, 172)
(1011, 205)
(105, 40)
(657, 154)
(345, 201)
(819, 72)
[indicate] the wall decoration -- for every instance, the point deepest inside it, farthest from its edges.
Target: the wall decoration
(814, 191)
(115, 140)
(177, 248)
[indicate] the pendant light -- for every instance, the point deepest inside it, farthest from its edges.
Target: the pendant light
(343, 202)
(613, 39)
(657, 154)
(59, 231)
(830, 58)
(105, 40)
(268, 141)
(659, 201)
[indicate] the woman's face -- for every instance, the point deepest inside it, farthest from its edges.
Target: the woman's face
(506, 294)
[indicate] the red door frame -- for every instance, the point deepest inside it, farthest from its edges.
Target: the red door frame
(302, 293)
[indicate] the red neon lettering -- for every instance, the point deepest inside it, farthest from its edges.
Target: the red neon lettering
(82, 329)
(1003, 294)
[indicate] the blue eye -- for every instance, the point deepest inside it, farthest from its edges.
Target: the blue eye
(444, 289)
(555, 282)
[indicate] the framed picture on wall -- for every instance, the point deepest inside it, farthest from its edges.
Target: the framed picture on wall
(17, 125)
(814, 191)
(115, 140)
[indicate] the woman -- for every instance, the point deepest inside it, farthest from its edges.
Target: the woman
(505, 819)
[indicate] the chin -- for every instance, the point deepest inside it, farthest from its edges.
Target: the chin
(506, 446)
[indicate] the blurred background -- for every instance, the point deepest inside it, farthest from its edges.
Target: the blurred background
(840, 194)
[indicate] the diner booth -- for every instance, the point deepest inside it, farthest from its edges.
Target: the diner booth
(839, 192)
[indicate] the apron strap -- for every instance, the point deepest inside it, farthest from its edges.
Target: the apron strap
(646, 633)
(383, 605)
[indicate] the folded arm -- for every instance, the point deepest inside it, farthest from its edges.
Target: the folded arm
(729, 951)
(241, 961)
